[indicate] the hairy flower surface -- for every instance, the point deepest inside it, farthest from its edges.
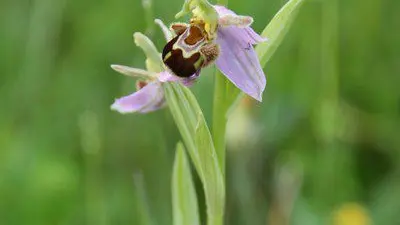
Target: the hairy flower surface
(150, 94)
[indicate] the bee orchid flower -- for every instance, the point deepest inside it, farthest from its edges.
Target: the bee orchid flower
(150, 94)
(227, 39)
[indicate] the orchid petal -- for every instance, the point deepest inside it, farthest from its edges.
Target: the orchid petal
(234, 20)
(238, 60)
(189, 81)
(241, 22)
(167, 33)
(228, 18)
(153, 62)
(169, 77)
(222, 11)
(253, 36)
(133, 72)
(147, 99)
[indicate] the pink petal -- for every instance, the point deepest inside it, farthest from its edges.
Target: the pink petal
(255, 38)
(189, 81)
(243, 34)
(147, 99)
(221, 10)
(169, 77)
(239, 62)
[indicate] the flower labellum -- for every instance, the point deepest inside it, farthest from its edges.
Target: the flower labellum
(190, 50)
(216, 33)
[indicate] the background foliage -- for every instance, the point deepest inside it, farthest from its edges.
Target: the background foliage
(323, 147)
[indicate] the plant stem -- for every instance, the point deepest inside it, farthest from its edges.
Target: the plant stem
(220, 109)
(219, 119)
(215, 220)
(225, 95)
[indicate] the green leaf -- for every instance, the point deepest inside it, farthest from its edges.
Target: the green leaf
(197, 139)
(184, 199)
(225, 95)
(277, 29)
(184, 117)
(213, 180)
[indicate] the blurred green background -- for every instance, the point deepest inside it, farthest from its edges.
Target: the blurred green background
(323, 147)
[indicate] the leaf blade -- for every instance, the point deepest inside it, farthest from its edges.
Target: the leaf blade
(198, 141)
(276, 30)
(213, 179)
(184, 199)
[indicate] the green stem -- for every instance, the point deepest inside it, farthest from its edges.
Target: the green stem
(215, 220)
(220, 108)
(225, 95)
(219, 118)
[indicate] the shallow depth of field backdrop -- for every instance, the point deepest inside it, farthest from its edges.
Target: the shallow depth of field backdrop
(322, 148)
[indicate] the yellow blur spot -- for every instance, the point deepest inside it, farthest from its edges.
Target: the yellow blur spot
(351, 214)
(169, 54)
(198, 63)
